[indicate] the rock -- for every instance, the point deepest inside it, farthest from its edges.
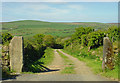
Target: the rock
(101, 58)
(3, 54)
(5, 62)
(108, 55)
(7, 54)
(93, 52)
(0, 63)
(6, 68)
(16, 54)
(115, 47)
(5, 48)
(6, 57)
(116, 51)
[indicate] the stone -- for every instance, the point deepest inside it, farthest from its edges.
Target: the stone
(6, 57)
(16, 54)
(6, 68)
(115, 51)
(3, 54)
(0, 63)
(5, 62)
(5, 48)
(108, 54)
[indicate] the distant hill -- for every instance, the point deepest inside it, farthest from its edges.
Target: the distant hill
(28, 28)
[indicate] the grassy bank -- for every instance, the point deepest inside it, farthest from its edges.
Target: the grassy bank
(92, 60)
(48, 56)
(69, 66)
(41, 64)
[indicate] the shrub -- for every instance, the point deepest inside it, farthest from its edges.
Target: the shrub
(113, 33)
(6, 37)
(84, 40)
(67, 42)
(80, 31)
(49, 41)
(39, 38)
(95, 39)
(31, 56)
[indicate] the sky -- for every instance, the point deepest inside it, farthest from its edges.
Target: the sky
(105, 12)
(60, 0)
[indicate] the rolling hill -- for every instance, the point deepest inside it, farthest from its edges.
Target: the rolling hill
(28, 28)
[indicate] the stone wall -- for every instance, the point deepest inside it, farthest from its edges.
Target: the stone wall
(5, 58)
(12, 55)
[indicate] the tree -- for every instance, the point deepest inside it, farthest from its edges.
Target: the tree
(80, 31)
(49, 41)
(39, 38)
(84, 40)
(95, 39)
(113, 33)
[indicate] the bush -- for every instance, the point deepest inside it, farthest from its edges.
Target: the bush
(80, 31)
(84, 40)
(67, 42)
(6, 37)
(49, 41)
(113, 33)
(95, 39)
(39, 38)
(31, 56)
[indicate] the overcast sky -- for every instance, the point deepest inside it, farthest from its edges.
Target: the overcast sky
(106, 12)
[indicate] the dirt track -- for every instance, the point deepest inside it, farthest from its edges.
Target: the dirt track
(83, 72)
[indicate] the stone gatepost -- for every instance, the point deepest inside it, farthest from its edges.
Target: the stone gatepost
(16, 54)
(108, 55)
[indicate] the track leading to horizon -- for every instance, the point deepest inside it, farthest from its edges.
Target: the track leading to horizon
(83, 73)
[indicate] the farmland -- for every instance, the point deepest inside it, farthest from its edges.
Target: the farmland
(28, 28)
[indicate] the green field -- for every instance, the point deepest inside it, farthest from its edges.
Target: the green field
(28, 28)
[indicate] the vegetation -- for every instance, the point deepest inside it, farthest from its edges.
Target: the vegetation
(29, 28)
(31, 56)
(6, 37)
(48, 56)
(39, 65)
(81, 40)
(93, 61)
(49, 41)
(88, 47)
(69, 66)
(37, 53)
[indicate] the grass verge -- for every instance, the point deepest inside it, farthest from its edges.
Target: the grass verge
(96, 66)
(69, 66)
(48, 56)
(41, 63)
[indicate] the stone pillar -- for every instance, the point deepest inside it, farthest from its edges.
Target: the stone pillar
(16, 54)
(108, 54)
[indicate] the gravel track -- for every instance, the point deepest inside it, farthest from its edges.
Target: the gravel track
(83, 72)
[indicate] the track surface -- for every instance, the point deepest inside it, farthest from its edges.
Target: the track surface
(83, 73)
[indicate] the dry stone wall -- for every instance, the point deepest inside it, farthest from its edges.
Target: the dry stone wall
(5, 58)
(12, 55)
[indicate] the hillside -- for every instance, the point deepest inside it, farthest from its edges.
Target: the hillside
(28, 28)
